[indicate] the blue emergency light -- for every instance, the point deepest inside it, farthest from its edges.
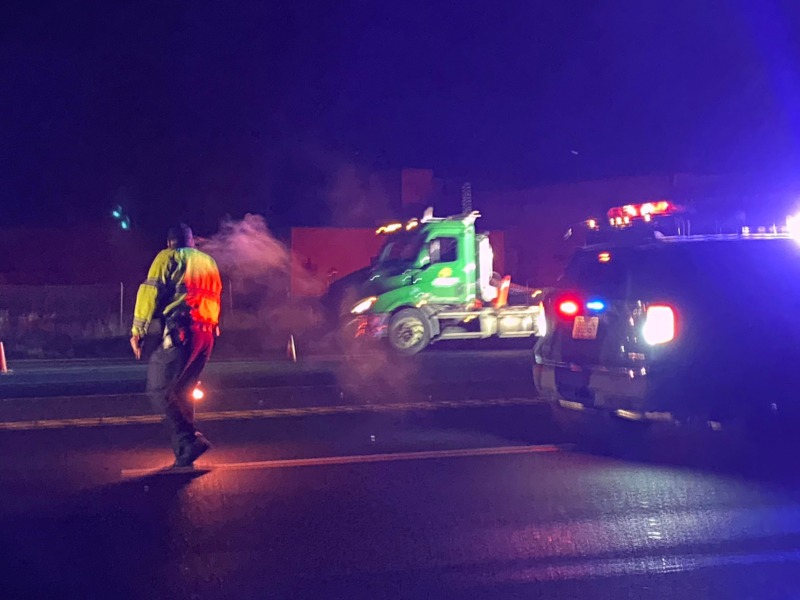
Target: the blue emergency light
(596, 305)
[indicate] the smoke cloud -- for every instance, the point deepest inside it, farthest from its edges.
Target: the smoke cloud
(259, 272)
(247, 250)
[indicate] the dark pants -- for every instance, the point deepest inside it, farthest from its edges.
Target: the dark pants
(172, 373)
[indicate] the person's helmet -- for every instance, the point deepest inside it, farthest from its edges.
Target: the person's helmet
(180, 236)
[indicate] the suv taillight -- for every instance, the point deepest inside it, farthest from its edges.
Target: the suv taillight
(659, 326)
(568, 307)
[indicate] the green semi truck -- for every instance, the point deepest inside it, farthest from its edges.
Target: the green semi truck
(433, 280)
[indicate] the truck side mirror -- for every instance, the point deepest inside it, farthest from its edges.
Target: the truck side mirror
(433, 248)
(424, 259)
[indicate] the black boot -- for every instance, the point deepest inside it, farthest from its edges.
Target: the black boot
(192, 451)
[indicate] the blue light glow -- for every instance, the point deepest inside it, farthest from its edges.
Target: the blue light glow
(595, 305)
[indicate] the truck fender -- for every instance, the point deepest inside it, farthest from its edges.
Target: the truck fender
(432, 319)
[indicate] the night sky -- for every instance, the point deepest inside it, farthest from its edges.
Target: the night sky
(197, 109)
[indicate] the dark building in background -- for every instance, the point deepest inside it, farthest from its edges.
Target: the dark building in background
(533, 222)
(92, 253)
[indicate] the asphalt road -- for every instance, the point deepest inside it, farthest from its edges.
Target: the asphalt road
(480, 502)
(378, 372)
(38, 393)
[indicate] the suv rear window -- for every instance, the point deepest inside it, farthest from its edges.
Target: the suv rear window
(720, 267)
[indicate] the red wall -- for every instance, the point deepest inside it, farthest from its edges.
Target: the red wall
(537, 251)
(325, 249)
(73, 255)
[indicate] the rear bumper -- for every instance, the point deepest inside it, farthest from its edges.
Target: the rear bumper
(671, 394)
(633, 394)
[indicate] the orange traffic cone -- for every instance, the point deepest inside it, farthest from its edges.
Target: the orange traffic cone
(291, 349)
(502, 294)
(3, 364)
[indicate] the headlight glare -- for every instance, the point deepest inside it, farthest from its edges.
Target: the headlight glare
(364, 305)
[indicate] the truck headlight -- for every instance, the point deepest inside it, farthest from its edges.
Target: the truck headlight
(364, 305)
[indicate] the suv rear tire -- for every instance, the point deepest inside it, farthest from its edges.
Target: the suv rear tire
(599, 432)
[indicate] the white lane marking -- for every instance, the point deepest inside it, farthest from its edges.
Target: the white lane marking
(228, 390)
(266, 413)
(360, 459)
(667, 564)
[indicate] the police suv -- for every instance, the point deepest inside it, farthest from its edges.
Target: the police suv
(649, 323)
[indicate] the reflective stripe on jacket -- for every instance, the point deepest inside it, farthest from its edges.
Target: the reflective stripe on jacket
(180, 281)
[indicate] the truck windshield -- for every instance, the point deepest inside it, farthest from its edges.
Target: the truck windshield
(401, 247)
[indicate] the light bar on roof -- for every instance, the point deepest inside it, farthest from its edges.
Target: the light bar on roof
(793, 226)
(639, 210)
(632, 211)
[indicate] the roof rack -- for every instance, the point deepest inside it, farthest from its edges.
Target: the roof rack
(397, 226)
(468, 217)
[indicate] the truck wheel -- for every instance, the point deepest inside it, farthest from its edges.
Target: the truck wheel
(409, 331)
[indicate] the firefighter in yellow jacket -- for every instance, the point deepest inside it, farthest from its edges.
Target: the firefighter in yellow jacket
(183, 289)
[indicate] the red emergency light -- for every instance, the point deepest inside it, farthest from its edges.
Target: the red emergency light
(568, 306)
(623, 214)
